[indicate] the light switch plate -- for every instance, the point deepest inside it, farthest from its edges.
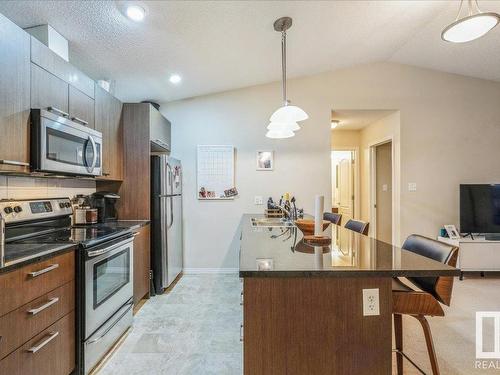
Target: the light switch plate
(258, 200)
(371, 305)
(384, 187)
(412, 186)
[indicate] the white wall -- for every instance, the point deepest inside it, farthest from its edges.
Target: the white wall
(450, 128)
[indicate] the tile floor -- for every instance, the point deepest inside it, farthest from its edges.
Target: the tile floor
(194, 330)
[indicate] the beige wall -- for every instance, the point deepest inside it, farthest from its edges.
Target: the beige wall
(345, 139)
(450, 127)
(383, 192)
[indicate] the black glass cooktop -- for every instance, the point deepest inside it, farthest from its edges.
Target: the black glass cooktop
(85, 236)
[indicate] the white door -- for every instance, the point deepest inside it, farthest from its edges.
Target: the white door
(346, 197)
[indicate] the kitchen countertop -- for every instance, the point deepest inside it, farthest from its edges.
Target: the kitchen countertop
(129, 224)
(281, 252)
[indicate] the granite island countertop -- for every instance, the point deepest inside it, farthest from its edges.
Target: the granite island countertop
(281, 252)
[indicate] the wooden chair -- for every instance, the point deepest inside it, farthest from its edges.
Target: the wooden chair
(333, 217)
(357, 226)
(423, 302)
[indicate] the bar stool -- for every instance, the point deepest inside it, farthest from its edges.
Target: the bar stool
(423, 302)
(357, 226)
(332, 217)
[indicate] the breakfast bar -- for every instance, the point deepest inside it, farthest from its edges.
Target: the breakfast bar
(323, 309)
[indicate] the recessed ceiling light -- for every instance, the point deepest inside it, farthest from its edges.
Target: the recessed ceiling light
(175, 79)
(135, 13)
(335, 123)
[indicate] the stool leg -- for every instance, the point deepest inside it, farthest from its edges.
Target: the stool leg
(398, 333)
(429, 342)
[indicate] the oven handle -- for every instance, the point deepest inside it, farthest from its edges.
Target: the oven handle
(129, 306)
(94, 253)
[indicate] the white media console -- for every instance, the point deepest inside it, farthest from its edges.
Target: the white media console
(476, 255)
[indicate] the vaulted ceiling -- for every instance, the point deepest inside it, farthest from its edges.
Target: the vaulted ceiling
(223, 45)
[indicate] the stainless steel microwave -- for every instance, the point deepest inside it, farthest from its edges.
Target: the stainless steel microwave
(62, 146)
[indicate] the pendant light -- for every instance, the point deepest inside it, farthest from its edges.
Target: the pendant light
(471, 26)
(284, 119)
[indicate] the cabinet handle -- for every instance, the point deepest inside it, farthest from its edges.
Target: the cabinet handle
(105, 174)
(80, 120)
(241, 298)
(14, 162)
(241, 332)
(57, 110)
(36, 348)
(44, 306)
(135, 234)
(45, 270)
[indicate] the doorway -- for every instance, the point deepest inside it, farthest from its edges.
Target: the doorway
(382, 191)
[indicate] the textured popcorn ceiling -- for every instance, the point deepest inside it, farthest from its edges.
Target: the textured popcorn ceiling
(223, 45)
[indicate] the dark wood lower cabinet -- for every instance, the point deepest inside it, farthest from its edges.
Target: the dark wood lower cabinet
(315, 326)
(141, 263)
(50, 352)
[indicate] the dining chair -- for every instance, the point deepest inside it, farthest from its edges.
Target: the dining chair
(333, 217)
(357, 226)
(425, 299)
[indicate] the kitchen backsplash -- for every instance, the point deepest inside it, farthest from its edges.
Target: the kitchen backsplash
(29, 187)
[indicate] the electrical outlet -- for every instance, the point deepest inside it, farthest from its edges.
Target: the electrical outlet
(412, 186)
(371, 302)
(258, 200)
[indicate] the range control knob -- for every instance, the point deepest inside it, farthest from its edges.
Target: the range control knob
(8, 210)
(18, 209)
(62, 204)
(67, 205)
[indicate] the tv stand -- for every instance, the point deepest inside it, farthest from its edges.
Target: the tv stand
(478, 254)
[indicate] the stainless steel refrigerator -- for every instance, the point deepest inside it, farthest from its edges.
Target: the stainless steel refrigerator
(166, 221)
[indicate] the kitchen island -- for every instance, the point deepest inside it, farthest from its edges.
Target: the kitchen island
(303, 305)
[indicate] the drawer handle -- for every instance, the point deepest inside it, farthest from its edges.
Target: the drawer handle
(76, 119)
(14, 162)
(44, 306)
(57, 110)
(45, 270)
(135, 234)
(36, 348)
(241, 299)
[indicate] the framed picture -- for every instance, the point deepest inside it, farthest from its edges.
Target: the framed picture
(452, 232)
(265, 160)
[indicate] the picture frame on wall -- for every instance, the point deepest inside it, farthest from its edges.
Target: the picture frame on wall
(452, 232)
(265, 160)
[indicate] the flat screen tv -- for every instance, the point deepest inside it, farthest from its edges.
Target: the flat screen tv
(480, 208)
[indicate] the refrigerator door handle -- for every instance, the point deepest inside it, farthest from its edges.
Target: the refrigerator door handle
(171, 213)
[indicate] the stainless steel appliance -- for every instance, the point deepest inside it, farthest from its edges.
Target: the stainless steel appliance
(166, 220)
(104, 267)
(60, 145)
(105, 203)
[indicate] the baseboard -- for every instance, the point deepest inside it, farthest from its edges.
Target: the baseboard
(204, 271)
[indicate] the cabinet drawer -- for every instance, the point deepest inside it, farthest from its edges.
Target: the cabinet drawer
(51, 352)
(20, 325)
(34, 280)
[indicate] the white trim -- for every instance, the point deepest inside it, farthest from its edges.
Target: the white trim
(204, 271)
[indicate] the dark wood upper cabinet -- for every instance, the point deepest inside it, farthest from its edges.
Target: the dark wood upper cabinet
(108, 112)
(47, 90)
(44, 57)
(14, 95)
(81, 107)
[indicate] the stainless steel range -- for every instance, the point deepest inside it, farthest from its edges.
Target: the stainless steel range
(104, 267)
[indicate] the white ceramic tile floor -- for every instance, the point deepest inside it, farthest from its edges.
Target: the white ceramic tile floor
(194, 330)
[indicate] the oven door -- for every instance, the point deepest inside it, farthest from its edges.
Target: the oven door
(64, 146)
(108, 281)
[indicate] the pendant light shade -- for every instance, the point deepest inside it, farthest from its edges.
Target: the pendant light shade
(289, 113)
(280, 134)
(470, 27)
(284, 119)
(293, 126)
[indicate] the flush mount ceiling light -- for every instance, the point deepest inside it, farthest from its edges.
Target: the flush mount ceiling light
(471, 26)
(284, 119)
(335, 123)
(175, 79)
(135, 12)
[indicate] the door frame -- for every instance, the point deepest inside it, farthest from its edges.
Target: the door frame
(357, 205)
(373, 188)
